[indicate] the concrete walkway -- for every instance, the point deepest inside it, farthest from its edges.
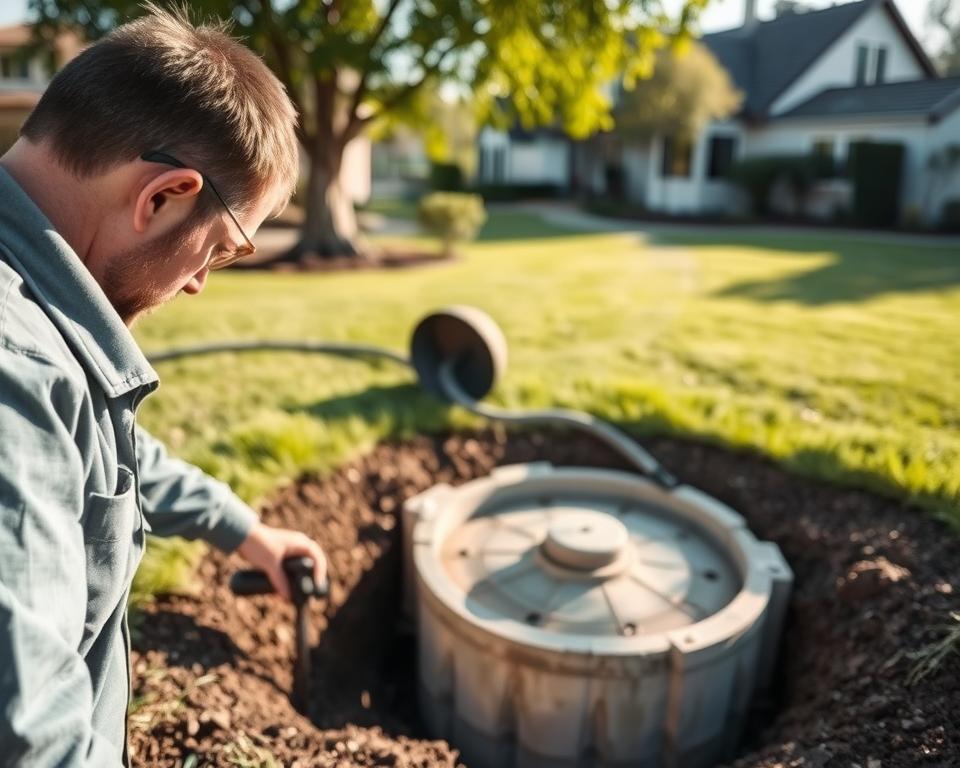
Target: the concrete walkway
(569, 216)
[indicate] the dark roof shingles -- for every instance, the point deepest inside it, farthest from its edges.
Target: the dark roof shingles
(931, 98)
(766, 58)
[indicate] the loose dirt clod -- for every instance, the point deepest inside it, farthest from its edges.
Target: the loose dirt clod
(213, 673)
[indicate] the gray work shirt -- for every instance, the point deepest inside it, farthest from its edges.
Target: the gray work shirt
(80, 484)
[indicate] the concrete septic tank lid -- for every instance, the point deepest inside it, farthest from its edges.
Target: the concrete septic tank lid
(574, 613)
(587, 567)
(589, 560)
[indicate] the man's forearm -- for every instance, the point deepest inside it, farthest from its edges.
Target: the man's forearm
(179, 499)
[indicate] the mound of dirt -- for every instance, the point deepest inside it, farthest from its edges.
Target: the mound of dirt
(875, 586)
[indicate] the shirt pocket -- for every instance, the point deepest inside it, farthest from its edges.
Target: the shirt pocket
(113, 533)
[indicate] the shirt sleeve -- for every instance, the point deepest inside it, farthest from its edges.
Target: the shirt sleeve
(181, 500)
(46, 695)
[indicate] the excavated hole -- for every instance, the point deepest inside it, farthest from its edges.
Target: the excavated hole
(843, 695)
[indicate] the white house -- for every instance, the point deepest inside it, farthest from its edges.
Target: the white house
(539, 158)
(813, 82)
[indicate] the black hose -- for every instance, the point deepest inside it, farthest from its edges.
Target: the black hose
(619, 441)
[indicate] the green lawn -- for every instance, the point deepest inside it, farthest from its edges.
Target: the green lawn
(834, 356)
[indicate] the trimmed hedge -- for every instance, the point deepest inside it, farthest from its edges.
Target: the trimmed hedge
(452, 217)
(758, 176)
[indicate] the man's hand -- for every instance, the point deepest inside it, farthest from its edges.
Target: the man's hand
(266, 548)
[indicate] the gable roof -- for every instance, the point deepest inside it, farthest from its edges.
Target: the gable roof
(765, 58)
(934, 99)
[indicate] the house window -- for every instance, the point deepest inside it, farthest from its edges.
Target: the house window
(871, 67)
(677, 157)
(823, 147)
(863, 57)
(499, 164)
(723, 152)
(12, 66)
(881, 71)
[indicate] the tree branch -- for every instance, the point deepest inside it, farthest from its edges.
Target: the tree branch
(361, 88)
(407, 91)
(285, 70)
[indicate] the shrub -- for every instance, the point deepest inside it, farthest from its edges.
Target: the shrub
(452, 217)
(446, 177)
(950, 216)
(757, 176)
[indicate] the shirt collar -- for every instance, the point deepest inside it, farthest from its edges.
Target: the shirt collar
(67, 292)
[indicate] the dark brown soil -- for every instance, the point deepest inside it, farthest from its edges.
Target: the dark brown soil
(876, 582)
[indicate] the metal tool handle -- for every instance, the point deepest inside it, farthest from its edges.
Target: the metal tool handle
(299, 572)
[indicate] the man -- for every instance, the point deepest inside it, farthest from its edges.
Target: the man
(151, 160)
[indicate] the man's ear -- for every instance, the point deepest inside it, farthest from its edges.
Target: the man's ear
(167, 197)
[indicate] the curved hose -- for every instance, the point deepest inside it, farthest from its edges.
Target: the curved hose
(613, 437)
(329, 348)
(584, 422)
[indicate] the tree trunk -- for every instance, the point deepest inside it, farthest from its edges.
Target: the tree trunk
(330, 224)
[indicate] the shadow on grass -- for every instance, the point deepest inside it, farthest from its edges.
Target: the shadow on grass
(505, 224)
(408, 411)
(857, 270)
(405, 407)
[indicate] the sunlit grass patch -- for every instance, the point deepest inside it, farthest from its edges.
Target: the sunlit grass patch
(832, 355)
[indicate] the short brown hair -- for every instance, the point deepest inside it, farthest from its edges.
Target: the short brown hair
(159, 83)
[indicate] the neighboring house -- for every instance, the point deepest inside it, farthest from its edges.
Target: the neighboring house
(25, 70)
(813, 82)
(401, 167)
(540, 158)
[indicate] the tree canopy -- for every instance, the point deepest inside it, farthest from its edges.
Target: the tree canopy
(688, 89)
(349, 64)
(945, 15)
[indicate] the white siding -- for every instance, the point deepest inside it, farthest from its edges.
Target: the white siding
(355, 173)
(696, 193)
(636, 169)
(942, 134)
(541, 160)
(837, 66)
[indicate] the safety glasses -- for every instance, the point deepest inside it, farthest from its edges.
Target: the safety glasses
(220, 259)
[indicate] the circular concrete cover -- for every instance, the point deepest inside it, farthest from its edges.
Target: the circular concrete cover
(587, 568)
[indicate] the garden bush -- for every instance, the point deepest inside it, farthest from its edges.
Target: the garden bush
(452, 216)
(757, 176)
